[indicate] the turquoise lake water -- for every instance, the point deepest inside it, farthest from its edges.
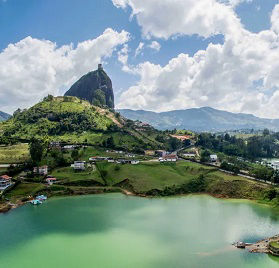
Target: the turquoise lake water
(117, 231)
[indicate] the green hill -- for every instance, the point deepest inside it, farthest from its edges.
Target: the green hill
(72, 120)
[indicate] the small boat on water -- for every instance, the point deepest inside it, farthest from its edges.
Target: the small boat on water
(36, 202)
(41, 197)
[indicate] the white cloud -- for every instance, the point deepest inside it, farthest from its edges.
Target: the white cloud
(123, 54)
(155, 45)
(139, 49)
(275, 19)
(166, 18)
(235, 3)
(240, 75)
(32, 68)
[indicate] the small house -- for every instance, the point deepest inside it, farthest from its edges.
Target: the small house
(69, 147)
(130, 155)
(149, 152)
(55, 145)
(79, 165)
(5, 182)
(93, 159)
(161, 153)
(189, 155)
(171, 158)
(213, 158)
(110, 160)
(50, 181)
(41, 170)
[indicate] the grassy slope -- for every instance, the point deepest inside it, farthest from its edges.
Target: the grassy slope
(72, 120)
(35, 121)
(275, 244)
(14, 154)
(148, 176)
(67, 174)
(23, 190)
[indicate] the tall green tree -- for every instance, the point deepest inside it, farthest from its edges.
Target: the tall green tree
(36, 149)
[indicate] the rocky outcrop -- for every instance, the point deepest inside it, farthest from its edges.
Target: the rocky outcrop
(95, 87)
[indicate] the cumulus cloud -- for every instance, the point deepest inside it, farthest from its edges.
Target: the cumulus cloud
(155, 45)
(33, 68)
(166, 18)
(240, 75)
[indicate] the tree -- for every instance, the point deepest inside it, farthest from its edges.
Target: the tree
(75, 154)
(205, 156)
(253, 148)
(186, 143)
(263, 173)
(36, 148)
(174, 144)
(110, 142)
(266, 132)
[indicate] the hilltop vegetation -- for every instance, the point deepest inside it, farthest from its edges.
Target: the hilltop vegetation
(260, 146)
(73, 120)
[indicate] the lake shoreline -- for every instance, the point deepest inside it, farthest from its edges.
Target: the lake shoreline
(8, 206)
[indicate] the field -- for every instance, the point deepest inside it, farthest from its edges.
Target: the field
(14, 154)
(68, 174)
(149, 177)
(153, 175)
(23, 190)
(91, 151)
(275, 244)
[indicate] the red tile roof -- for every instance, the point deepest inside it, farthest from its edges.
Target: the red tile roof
(6, 177)
(51, 179)
(170, 156)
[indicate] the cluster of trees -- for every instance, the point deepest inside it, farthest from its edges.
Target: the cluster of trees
(230, 167)
(265, 173)
(56, 158)
(252, 148)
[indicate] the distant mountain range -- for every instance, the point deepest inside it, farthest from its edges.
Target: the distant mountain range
(201, 119)
(4, 116)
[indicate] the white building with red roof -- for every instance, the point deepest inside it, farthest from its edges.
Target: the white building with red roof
(5, 182)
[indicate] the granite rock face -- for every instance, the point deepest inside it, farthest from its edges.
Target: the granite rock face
(95, 87)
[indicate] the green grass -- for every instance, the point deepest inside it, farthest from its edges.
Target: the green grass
(14, 154)
(91, 151)
(154, 175)
(274, 244)
(148, 176)
(67, 174)
(23, 190)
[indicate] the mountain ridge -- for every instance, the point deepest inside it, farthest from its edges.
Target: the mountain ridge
(4, 116)
(201, 119)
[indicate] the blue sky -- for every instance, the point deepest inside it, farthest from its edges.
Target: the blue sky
(74, 21)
